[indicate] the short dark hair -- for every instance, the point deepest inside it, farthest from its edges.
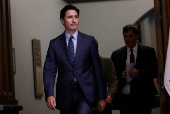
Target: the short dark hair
(131, 27)
(68, 7)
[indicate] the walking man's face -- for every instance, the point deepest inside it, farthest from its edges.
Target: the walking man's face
(130, 38)
(70, 21)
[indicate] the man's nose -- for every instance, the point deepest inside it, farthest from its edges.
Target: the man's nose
(74, 19)
(128, 38)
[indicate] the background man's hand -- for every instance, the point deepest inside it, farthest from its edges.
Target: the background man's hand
(101, 105)
(51, 102)
(124, 74)
(108, 100)
(134, 73)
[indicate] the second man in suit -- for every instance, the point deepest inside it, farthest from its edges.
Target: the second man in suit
(135, 96)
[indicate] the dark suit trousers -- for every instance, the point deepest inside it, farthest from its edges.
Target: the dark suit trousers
(133, 105)
(107, 110)
(79, 104)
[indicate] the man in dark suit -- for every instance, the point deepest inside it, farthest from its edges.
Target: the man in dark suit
(135, 96)
(74, 55)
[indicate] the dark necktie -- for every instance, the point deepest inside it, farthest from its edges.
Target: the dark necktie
(71, 52)
(71, 49)
(132, 59)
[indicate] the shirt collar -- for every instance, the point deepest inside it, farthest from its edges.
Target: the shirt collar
(74, 35)
(134, 48)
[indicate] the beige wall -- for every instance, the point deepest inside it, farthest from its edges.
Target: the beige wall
(40, 19)
(105, 20)
(37, 19)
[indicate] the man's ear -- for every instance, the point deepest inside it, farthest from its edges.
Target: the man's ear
(62, 21)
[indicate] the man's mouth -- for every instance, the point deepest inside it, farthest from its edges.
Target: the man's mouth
(73, 24)
(127, 42)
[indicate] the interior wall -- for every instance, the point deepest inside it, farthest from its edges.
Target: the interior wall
(105, 20)
(39, 19)
(148, 35)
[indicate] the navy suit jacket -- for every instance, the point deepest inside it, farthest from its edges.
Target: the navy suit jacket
(86, 60)
(142, 87)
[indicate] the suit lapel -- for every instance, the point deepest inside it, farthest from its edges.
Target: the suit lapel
(139, 55)
(80, 43)
(123, 64)
(124, 56)
(64, 46)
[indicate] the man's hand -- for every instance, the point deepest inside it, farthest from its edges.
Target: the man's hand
(101, 105)
(133, 73)
(108, 100)
(124, 74)
(51, 102)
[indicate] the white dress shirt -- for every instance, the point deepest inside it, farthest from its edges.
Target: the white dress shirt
(126, 89)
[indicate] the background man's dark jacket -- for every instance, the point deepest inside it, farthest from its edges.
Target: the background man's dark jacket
(142, 87)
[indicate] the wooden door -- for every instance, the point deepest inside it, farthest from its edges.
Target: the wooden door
(7, 93)
(162, 24)
(8, 103)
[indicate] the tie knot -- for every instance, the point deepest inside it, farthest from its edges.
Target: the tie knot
(131, 50)
(71, 37)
